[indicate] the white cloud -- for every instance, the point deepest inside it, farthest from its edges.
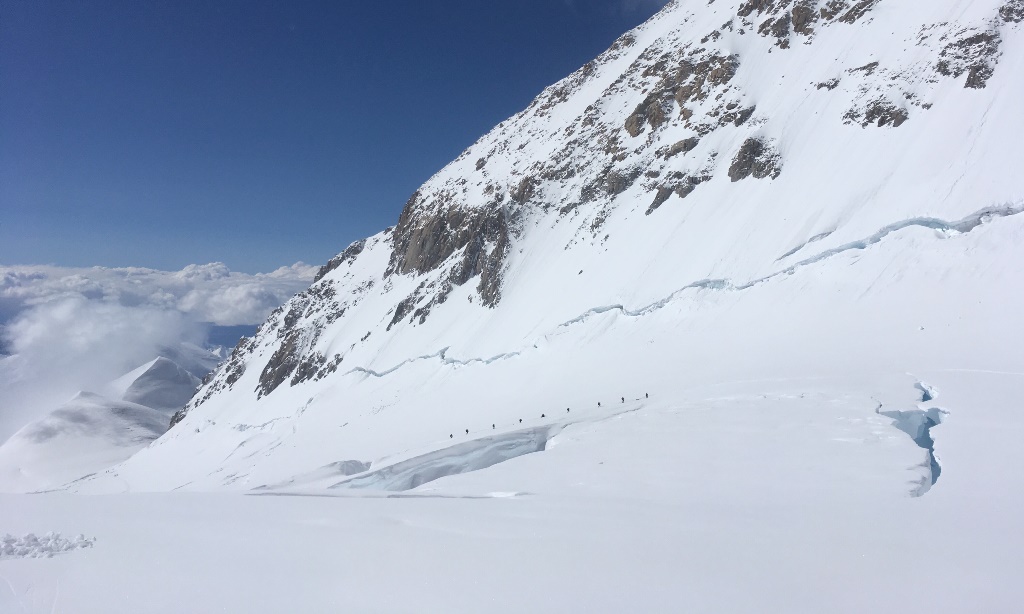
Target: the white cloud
(71, 329)
(206, 292)
(73, 343)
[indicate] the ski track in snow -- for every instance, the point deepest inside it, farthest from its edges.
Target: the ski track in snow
(962, 226)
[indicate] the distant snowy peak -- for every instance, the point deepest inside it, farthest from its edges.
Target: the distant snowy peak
(159, 384)
(92, 432)
(715, 145)
(122, 423)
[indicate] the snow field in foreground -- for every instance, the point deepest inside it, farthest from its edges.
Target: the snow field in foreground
(712, 505)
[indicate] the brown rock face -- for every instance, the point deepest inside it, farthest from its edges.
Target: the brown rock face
(802, 16)
(682, 147)
(858, 10)
(883, 114)
(880, 112)
(832, 9)
(653, 110)
(974, 54)
(778, 28)
(692, 79)
(425, 238)
(681, 185)
(750, 6)
(283, 362)
(422, 242)
(755, 158)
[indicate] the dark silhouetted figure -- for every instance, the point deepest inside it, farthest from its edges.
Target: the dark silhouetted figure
(492, 426)
(520, 421)
(542, 415)
(647, 396)
(599, 403)
(566, 410)
(467, 431)
(623, 399)
(450, 436)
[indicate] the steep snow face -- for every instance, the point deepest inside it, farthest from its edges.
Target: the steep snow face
(732, 190)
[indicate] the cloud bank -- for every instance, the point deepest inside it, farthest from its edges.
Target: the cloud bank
(206, 292)
(71, 329)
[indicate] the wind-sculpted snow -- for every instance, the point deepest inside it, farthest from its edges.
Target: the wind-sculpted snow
(460, 458)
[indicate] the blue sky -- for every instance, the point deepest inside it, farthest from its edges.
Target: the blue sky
(256, 133)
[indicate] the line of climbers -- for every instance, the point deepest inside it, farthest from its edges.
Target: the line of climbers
(567, 410)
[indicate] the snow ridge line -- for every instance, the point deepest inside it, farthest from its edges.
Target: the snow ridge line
(962, 226)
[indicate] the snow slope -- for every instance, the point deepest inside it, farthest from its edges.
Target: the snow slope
(92, 432)
(87, 434)
(750, 499)
(724, 321)
(543, 255)
(159, 384)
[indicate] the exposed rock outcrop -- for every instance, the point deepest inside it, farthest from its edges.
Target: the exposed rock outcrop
(466, 242)
(756, 158)
(974, 53)
(803, 16)
(1012, 11)
(880, 112)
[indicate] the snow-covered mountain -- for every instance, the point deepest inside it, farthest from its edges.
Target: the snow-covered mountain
(725, 321)
(92, 432)
(723, 175)
(87, 434)
(159, 384)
